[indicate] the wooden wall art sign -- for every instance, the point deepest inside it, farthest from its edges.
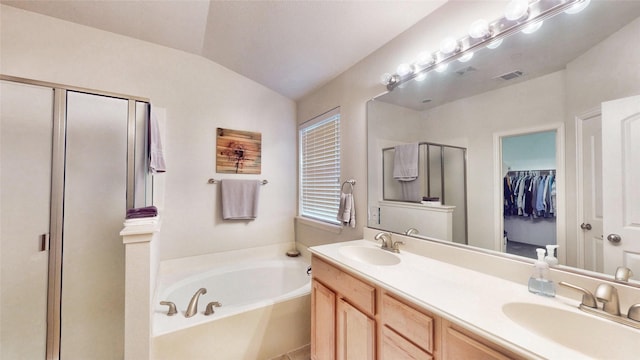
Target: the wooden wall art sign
(238, 152)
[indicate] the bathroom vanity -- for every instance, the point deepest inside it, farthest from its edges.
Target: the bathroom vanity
(353, 318)
(373, 304)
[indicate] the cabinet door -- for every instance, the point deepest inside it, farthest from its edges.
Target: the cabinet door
(323, 309)
(355, 333)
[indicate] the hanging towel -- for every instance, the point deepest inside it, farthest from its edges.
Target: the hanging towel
(240, 199)
(156, 154)
(405, 162)
(347, 210)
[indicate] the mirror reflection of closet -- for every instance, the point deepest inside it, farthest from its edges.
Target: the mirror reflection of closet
(529, 185)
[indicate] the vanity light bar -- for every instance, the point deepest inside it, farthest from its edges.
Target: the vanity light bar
(536, 12)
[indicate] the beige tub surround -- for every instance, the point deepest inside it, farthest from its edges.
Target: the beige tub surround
(493, 304)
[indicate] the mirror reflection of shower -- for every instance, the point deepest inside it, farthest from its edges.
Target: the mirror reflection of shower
(441, 180)
(529, 188)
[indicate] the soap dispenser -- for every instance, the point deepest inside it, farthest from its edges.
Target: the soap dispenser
(539, 282)
(550, 258)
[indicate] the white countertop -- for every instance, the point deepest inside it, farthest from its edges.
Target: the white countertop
(469, 298)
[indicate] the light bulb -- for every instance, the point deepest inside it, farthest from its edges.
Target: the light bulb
(578, 7)
(448, 45)
(516, 9)
(421, 76)
(466, 57)
(404, 69)
(530, 29)
(424, 59)
(385, 78)
(494, 44)
(442, 68)
(479, 29)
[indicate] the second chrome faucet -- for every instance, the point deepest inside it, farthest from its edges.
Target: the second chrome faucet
(387, 242)
(608, 296)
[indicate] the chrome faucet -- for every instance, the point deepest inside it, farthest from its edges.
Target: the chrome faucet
(623, 274)
(385, 237)
(588, 299)
(387, 242)
(192, 309)
(608, 296)
(411, 231)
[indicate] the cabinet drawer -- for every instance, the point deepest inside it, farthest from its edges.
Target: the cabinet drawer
(414, 325)
(458, 343)
(395, 346)
(359, 293)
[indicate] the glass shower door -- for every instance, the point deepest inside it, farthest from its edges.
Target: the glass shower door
(26, 132)
(92, 303)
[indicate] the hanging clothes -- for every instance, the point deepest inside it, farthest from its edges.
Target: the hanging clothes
(530, 194)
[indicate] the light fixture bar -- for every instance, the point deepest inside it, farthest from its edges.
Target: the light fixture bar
(499, 29)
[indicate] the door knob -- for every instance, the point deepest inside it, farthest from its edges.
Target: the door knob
(584, 226)
(614, 238)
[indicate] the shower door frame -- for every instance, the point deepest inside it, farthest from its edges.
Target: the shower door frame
(134, 166)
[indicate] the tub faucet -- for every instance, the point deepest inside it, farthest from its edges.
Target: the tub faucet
(608, 295)
(192, 309)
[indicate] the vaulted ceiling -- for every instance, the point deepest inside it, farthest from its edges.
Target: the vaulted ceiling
(292, 47)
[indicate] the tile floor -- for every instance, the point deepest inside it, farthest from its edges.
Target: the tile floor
(303, 353)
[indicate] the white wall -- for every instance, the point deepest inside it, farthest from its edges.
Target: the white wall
(199, 96)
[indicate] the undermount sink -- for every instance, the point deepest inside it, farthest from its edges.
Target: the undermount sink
(369, 255)
(598, 338)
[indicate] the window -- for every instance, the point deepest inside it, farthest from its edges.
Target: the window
(319, 140)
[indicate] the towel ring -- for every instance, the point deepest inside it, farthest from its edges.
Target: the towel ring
(351, 182)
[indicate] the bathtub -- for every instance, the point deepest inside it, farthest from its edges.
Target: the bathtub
(264, 312)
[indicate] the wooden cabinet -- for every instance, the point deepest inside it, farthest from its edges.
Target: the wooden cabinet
(458, 343)
(323, 309)
(355, 333)
(406, 330)
(352, 319)
(343, 315)
(394, 346)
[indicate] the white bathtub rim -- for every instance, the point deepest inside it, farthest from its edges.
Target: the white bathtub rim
(163, 324)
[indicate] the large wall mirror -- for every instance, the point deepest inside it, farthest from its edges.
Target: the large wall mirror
(548, 96)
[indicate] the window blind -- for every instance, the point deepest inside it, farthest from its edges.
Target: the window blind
(320, 168)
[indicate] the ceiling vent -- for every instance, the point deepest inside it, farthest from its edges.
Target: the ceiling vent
(510, 76)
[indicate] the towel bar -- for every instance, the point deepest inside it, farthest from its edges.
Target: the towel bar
(215, 181)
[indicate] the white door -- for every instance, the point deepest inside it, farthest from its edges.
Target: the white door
(621, 182)
(26, 130)
(591, 175)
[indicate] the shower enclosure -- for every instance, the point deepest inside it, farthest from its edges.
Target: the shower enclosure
(71, 162)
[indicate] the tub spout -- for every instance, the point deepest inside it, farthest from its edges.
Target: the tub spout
(192, 309)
